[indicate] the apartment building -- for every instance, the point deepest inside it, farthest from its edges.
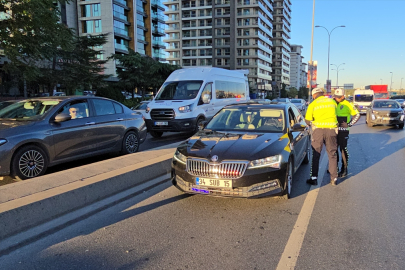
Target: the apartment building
(134, 24)
(230, 34)
(281, 45)
(298, 74)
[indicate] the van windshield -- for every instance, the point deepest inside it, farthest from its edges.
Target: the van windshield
(363, 98)
(180, 90)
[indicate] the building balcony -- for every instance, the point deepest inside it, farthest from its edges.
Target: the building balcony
(159, 18)
(159, 44)
(157, 4)
(158, 31)
(121, 17)
(121, 48)
(122, 3)
(121, 33)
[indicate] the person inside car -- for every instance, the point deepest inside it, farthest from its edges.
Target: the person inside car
(74, 113)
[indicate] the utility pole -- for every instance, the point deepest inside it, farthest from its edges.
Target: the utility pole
(310, 66)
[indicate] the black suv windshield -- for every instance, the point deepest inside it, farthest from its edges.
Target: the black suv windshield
(180, 90)
(386, 104)
(248, 119)
(27, 110)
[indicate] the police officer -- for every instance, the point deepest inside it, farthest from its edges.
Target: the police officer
(321, 116)
(347, 116)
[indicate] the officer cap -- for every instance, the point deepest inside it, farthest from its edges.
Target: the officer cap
(339, 92)
(316, 90)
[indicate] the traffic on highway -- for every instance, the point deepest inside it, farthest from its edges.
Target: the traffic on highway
(241, 149)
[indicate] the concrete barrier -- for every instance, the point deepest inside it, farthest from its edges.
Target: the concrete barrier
(29, 203)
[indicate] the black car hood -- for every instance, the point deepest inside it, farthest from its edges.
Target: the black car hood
(9, 124)
(234, 145)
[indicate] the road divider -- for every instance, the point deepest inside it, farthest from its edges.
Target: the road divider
(29, 203)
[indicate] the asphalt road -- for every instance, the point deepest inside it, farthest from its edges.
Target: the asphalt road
(358, 224)
(150, 142)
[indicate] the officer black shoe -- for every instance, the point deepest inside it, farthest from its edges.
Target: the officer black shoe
(343, 172)
(313, 181)
(333, 182)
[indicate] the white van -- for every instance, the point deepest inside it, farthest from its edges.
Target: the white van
(362, 99)
(192, 95)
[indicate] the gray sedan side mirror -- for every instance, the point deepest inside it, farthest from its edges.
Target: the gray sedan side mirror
(62, 117)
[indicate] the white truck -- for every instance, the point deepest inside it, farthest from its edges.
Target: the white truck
(193, 95)
(362, 99)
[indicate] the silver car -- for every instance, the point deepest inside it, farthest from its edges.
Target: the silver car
(41, 132)
(300, 104)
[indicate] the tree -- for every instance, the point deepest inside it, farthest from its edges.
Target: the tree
(303, 92)
(31, 35)
(292, 92)
(82, 66)
(283, 91)
(141, 72)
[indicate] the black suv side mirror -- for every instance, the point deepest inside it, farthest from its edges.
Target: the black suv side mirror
(298, 127)
(202, 125)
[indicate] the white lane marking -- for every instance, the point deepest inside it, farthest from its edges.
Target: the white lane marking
(292, 249)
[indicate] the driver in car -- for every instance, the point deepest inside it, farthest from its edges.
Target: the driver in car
(74, 113)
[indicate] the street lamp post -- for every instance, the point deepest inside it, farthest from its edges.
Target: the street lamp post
(337, 73)
(401, 84)
(381, 81)
(329, 33)
(391, 81)
(310, 66)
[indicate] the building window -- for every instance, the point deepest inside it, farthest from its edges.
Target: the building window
(97, 24)
(219, 62)
(96, 10)
(87, 26)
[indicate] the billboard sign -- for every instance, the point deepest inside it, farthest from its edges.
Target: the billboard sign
(312, 74)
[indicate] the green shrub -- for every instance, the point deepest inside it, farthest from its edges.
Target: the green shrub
(110, 92)
(132, 102)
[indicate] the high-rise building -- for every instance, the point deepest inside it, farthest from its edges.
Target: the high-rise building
(134, 24)
(222, 33)
(281, 45)
(298, 73)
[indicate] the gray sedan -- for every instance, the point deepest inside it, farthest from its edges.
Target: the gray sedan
(41, 132)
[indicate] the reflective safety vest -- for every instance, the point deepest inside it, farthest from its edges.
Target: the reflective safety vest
(345, 109)
(322, 113)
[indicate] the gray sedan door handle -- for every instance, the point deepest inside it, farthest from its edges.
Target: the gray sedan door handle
(90, 123)
(120, 119)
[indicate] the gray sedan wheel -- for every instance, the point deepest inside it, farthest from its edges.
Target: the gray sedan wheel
(130, 143)
(28, 162)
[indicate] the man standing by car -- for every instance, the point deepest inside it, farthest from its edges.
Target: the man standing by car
(347, 116)
(321, 116)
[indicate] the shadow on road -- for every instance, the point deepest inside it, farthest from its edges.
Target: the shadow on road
(371, 148)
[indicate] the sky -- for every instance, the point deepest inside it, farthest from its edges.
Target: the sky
(372, 43)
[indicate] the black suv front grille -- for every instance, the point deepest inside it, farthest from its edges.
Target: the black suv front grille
(162, 114)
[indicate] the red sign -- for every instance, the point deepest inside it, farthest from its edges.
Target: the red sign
(312, 74)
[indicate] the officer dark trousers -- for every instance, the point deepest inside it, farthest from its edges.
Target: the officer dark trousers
(342, 138)
(321, 136)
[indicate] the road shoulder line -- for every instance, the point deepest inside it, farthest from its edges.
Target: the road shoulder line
(292, 249)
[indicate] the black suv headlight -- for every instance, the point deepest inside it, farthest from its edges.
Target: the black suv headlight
(180, 157)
